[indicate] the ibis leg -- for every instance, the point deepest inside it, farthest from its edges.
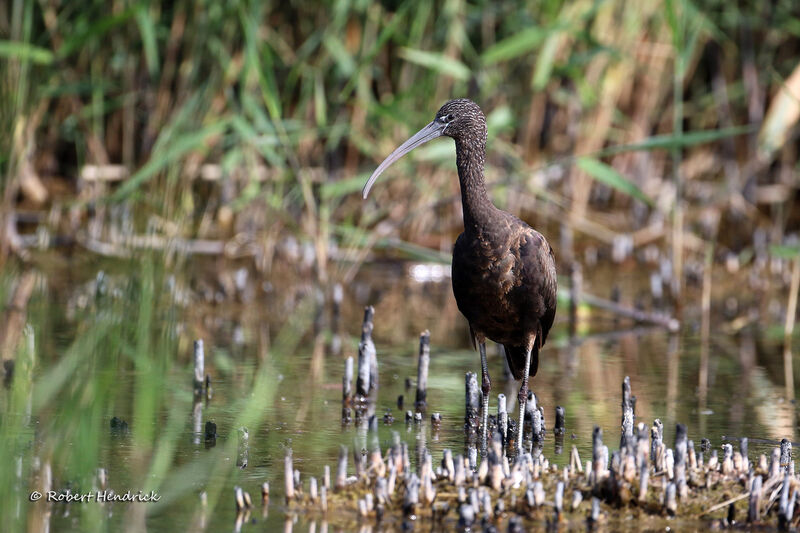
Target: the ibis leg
(523, 398)
(486, 387)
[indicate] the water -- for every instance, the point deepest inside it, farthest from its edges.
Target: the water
(115, 339)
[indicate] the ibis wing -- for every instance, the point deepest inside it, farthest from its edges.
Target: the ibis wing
(540, 282)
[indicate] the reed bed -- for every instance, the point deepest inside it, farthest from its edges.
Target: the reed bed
(226, 130)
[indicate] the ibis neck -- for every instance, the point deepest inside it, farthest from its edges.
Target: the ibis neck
(475, 202)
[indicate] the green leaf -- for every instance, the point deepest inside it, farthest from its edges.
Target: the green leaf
(263, 141)
(320, 102)
(148, 31)
(343, 187)
(26, 52)
(500, 119)
(339, 53)
(260, 60)
(171, 153)
(545, 62)
(514, 46)
(77, 38)
(672, 141)
(785, 251)
(438, 62)
(606, 175)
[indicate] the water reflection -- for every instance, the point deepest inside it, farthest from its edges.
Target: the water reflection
(278, 361)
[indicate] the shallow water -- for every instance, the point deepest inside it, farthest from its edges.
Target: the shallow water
(119, 344)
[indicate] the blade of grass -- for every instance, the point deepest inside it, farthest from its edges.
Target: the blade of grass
(26, 52)
(545, 61)
(678, 140)
(147, 29)
(344, 61)
(607, 175)
(440, 63)
(784, 251)
(81, 35)
(516, 45)
(189, 142)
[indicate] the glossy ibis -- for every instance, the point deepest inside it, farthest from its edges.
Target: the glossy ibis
(504, 274)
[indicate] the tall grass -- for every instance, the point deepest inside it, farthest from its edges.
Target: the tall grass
(118, 349)
(295, 103)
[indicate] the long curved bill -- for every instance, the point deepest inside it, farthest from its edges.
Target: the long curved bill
(429, 132)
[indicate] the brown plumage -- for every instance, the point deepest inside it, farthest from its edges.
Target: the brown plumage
(504, 273)
(504, 281)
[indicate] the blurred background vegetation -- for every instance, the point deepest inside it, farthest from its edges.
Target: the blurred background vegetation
(652, 142)
(226, 128)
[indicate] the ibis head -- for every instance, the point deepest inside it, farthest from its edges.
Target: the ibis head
(460, 119)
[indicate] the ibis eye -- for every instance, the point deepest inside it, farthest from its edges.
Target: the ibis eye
(448, 118)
